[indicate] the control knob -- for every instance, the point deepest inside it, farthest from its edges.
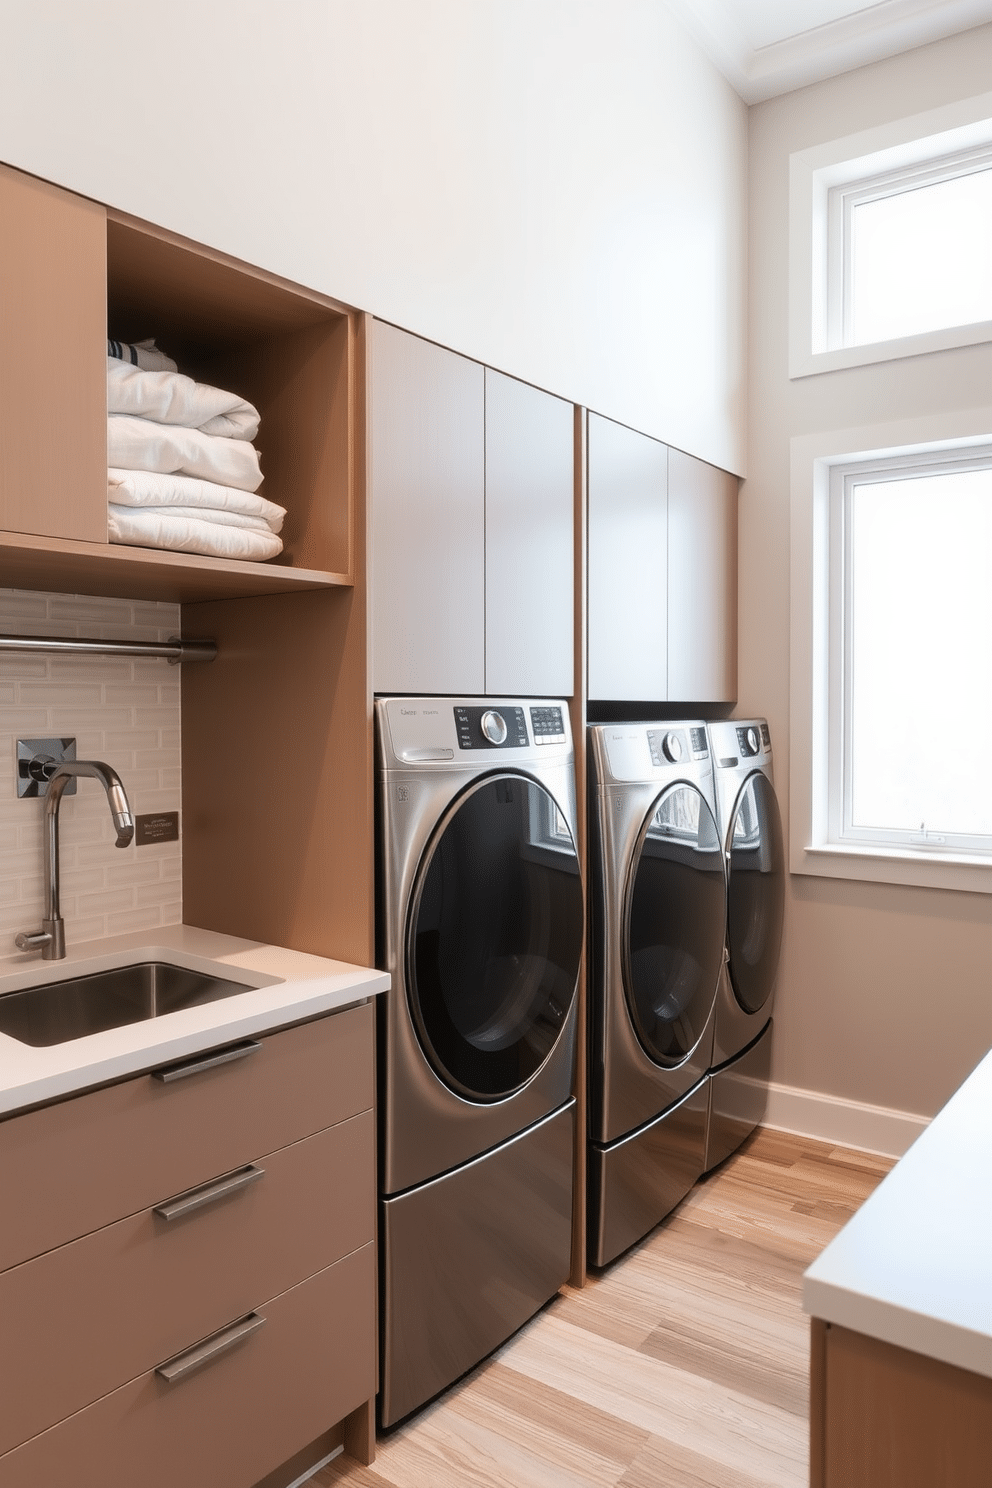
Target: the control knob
(752, 740)
(673, 748)
(494, 726)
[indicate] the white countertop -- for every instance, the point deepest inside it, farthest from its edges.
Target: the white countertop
(281, 987)
(914, 1265)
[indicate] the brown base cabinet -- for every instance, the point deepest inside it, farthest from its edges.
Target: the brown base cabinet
(188, 1292)
(886, 1417)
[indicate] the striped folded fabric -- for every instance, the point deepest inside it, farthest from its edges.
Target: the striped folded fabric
(141, 354)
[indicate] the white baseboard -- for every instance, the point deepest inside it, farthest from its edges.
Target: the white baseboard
(827, 1118)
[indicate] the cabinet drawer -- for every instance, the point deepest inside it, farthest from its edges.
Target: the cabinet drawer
(72, 1167)
(91, 1315)
(236, 1418)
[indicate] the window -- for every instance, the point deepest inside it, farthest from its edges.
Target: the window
(910, 251)
(910, 653)
(891, 241)
(891, 676)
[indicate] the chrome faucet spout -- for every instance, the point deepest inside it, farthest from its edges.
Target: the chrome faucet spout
(50, 939)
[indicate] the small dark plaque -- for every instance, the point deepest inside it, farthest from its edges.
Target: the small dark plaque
(161, 827)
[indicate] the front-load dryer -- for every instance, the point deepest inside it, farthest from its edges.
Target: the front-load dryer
(751, 832)
(480, 924)
(658, 910)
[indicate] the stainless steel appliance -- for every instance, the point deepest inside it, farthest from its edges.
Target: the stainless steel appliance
(480, 924)
(658, 910)
(751, 833)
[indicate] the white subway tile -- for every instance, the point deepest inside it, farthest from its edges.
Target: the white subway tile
(125, 921)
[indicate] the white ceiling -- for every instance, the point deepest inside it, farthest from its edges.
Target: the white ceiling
(767, 47)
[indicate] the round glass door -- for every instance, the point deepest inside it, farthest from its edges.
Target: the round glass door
(755, 893)
(494, 937)
(674, 925)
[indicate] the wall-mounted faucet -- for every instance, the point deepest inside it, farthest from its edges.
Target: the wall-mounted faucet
(50, 939)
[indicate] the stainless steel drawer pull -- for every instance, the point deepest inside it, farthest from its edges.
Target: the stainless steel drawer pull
(181, 1365)
(208, 1193)
(206, 1061)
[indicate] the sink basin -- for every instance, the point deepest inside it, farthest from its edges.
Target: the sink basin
(58, 1012)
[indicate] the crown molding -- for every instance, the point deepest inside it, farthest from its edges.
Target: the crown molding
(866, 35)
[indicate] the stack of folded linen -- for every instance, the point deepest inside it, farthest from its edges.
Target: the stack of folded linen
(183, 473)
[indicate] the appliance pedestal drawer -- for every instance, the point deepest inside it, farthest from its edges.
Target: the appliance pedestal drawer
(236, 1417)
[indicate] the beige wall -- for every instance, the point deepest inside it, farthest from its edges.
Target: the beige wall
(886, 993)
(555, 187)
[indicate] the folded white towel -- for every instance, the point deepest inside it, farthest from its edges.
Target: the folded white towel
(202, 514)
(145, 529)
(142, 354)
(141, 444)
(139, 488)
(171, 398)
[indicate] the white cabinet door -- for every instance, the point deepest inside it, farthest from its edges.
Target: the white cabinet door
(529, 539)
(628, 564)
(702, 581)
(427, 526)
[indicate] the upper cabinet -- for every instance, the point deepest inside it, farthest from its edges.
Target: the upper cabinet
(530, 500)
(628, 561)
(53, 323)
(72, 273)
(662, 598)
(472, 497)
(702, 581)
(427, 494)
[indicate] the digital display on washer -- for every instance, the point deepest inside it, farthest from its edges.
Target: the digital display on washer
(491, 728)
(548, 725)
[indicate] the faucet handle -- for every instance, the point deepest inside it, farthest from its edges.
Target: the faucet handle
(49, 940)
(33, 940)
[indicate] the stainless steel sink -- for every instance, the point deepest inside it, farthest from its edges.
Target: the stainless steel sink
(58, 1012)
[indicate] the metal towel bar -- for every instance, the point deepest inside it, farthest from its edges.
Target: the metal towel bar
(174, 650)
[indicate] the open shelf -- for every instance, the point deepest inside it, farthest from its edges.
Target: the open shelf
(288, 350)
(64, 566)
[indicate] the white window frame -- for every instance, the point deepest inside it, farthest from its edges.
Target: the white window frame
(824, 182)
(817, 845)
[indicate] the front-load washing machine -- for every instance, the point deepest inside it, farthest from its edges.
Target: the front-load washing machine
(480, 924)
(658, 910)
(751, 832)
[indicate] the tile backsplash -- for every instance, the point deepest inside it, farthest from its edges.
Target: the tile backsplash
(123, 710)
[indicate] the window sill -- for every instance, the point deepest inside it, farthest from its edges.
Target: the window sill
(967, 872)
(806, 363)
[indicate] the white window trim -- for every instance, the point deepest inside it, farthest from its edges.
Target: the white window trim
(813, 457)
(961, 126)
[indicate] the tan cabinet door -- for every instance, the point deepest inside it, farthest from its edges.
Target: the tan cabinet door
(53, 377)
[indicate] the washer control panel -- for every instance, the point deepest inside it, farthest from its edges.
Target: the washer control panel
(748, 741)
(548, 725)
(669, 746)
(491, 728)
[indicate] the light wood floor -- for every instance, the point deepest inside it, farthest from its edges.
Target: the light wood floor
(684, 1365)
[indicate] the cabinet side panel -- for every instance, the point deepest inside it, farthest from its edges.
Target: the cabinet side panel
(529, 543)
(427, 477)
(702, 581)
(896, 1417)
(53, 370)
(628, 544)
(277, 774)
